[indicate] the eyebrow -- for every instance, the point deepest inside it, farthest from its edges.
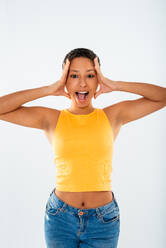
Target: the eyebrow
(87, 70)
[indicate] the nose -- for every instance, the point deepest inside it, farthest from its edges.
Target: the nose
(82, 83)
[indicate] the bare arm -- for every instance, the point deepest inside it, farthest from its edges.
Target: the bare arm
(150, 91)
(154, 98)
(14, 100)
(35, 117)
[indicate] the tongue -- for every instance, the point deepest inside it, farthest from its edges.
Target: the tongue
(81, 96)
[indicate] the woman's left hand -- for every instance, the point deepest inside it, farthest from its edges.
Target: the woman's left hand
(106, 85)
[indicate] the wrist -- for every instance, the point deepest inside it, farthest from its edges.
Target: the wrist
(48, 90)
(114, 85)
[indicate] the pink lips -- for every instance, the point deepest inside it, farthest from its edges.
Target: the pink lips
(82, 100)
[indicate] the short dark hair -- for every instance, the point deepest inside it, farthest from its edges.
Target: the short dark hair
(80, 52)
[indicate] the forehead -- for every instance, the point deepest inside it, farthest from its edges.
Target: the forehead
(81, 64)
(79, 70)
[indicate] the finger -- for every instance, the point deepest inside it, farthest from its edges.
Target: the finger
(65, 91)
(99, 79)
(66, 94)
(97, 67)
(96, 62)
(65, 70)
(65, 63)
(97, 93)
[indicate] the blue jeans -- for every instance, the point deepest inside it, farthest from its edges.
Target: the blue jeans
(69, 227)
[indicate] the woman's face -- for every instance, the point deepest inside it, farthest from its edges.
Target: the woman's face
(81, 77)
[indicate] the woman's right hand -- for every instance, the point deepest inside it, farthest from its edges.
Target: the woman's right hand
(58, 88)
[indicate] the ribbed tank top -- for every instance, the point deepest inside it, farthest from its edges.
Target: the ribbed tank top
(83, 149)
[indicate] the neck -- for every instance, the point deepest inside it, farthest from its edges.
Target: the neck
(83, 110)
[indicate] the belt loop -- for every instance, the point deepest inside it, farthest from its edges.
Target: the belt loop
(114, 198)
(52, 191)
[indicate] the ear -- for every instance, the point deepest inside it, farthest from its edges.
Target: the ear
(98, 86)
(65, 88)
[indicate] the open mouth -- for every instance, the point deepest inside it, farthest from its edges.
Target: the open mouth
(82, 96)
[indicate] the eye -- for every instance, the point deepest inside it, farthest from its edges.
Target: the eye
(73, 75)
(91, 75)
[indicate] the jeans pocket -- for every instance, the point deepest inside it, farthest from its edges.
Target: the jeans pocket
(110, 216)
(52, 209)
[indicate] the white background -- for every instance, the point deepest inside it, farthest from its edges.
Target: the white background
(129, 37)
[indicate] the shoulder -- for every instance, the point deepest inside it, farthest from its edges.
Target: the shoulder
(112, 113)
(51, 117)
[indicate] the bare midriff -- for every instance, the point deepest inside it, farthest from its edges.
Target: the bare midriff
(85, 200)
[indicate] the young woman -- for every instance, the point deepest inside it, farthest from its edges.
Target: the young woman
(82, 211)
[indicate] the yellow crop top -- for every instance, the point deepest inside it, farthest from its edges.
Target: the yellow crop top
(83, 149)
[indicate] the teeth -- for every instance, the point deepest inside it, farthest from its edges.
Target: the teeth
(82, 91)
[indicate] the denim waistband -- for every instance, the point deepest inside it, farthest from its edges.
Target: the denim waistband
(61, 204)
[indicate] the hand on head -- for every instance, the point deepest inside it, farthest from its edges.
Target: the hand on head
(106, 85)
(58, 88)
